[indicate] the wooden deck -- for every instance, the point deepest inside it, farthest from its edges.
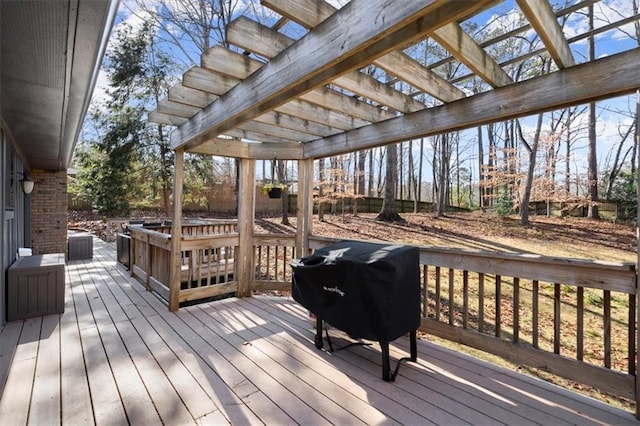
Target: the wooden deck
(118, 356)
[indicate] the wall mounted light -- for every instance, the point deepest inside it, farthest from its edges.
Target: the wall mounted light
(26, 183)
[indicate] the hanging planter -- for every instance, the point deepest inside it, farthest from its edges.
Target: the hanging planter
(275, 193)
(273, 190)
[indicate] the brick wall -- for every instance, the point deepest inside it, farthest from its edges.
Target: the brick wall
(49, 203)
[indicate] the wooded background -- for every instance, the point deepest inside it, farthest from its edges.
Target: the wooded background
(124, 161)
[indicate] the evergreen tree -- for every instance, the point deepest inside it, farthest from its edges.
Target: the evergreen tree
(110, 172)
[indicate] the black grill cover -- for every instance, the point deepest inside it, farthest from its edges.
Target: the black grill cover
(368, 290)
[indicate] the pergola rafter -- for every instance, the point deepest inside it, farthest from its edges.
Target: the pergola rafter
(344, 42)
(311, 109)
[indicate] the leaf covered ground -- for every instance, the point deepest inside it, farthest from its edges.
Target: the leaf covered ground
(565, 237)
(553, 236)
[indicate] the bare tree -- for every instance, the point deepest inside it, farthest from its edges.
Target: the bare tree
(321, 178)
(592, 158)
(533, 152)
(389, 211)
(284, 196)
(443, 174)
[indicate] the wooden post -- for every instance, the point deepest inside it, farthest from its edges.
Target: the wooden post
(176, 233)
(132, 253)
(246, 216)
(304, 206)
(147, 282)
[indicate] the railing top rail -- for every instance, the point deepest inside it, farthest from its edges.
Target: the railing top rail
(317, 242)
(614, 276)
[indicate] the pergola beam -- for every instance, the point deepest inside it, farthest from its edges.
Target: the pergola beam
(258, 151)
(166, 119)
(360, 32)
(189, 96)
(464, 48)
(571, 86)
(544, 22)
(411, 71)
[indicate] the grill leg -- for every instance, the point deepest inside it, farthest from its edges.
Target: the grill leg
(386, 368)
(318, 340)
(413, 346)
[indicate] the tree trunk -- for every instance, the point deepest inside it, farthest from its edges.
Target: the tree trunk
(567, 161)
(321, 190)
(371, 179)
(166, 178)
(489, 170)
(284, 196)
(443, 173)
(592, 160)
(526, 196)
(389, 212)
(400, 186)
(380, 180)
(419, 186)
(481, 176)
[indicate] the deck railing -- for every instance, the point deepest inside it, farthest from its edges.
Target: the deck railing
(574, 318)
(272, 257)
(208, 259)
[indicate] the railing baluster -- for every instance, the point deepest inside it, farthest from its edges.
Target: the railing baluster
(209, 252)
(556, 318)
(451, 297)
(425, 291)
(631, 332)
(192, 267)
(580, 324)
(284, 262)
(258, 273)
(535, 312)
(516, 309)
(219, 263)
(437, 293)
(268, 269)
(498, 302)
(607, 328)
(465, 299)
(481, 302)
(200, 261)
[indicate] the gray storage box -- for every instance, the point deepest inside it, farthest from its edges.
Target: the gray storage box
(80, 246)
(123, 249)
(35, 286)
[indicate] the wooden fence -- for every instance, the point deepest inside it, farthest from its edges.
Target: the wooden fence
(606, 210)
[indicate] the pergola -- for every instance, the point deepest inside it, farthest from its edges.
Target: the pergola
(309, 98)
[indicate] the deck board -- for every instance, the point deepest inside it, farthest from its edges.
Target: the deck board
(117, 356)
(45, 398)
(16, 397)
